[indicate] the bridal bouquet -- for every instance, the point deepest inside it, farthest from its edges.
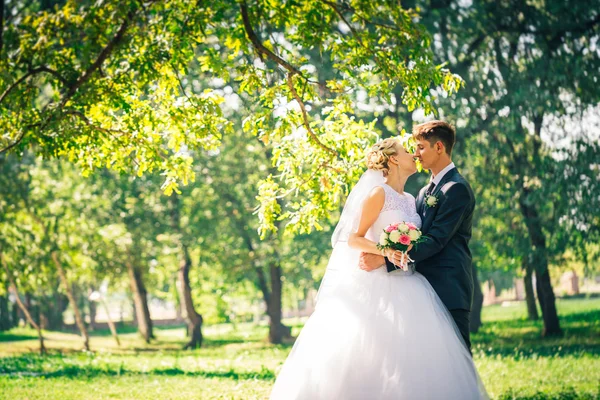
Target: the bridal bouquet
(399, 237)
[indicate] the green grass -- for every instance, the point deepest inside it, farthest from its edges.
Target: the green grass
(514, 362)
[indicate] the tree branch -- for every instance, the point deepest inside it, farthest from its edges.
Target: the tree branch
(262, 50)
(291, 72)
(110, 132)
(1, 25)
(466, 63)
(362, 17)
(87, 74)
(30, 73)
(85, 120)
(305, 118)
(574, 28)
(20, 138)
(258, 44)
(354, 32)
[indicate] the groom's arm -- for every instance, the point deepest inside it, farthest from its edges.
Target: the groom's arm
(452, 210)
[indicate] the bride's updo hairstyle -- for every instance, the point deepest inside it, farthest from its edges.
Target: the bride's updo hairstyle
(379, 155)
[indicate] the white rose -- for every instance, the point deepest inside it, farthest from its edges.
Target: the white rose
(414, 235)
(403, 228)
(383, 239)
(395, 236)
(431, 201)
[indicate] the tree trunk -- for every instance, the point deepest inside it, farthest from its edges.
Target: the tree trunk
(14, 321)
(272, 298)
(547, 302)
(475, 322)
(193, 319)
(109, 321)
(277, 331)
(140, 301)
(82, 302)
(54, 308)
(29, 307)
(133, 312)
(540, 262)
(4, 314)
(22, 306)
(92, 306)
(42, 320)
(78, 319)
(532, 312)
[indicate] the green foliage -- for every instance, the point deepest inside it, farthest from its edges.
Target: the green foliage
(130, 86)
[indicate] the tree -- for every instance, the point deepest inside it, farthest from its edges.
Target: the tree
(130, 232)
(48, 235)
(193, 318)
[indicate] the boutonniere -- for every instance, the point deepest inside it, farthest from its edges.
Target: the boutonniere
(431, 200)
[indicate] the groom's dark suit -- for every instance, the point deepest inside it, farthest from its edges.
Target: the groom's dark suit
(444, 257)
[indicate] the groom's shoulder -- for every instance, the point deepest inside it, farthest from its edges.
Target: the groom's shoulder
(459, 178)
(464, 181)
(460, 185)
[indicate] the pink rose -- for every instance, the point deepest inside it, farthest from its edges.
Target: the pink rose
(390, 228)
(411, 226)
(405, 240)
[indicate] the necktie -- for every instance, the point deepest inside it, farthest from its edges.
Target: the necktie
(430, 188)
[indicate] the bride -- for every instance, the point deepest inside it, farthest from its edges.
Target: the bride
(377, 335)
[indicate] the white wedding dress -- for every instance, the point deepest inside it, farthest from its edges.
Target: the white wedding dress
(378, 335)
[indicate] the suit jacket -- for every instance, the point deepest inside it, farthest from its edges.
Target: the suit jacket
(444, 257)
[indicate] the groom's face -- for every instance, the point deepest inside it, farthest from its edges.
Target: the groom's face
(426, 153)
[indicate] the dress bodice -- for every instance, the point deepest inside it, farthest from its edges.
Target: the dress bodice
(397, 208)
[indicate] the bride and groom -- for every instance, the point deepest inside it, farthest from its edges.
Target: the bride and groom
(383, 332)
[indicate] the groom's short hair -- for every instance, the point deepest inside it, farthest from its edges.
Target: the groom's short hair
(433, 131)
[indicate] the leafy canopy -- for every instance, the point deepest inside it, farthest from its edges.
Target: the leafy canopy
(139, 87)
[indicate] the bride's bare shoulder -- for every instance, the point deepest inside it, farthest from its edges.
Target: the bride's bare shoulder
(376, 198)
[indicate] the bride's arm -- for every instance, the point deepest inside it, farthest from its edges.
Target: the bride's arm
(370, 211)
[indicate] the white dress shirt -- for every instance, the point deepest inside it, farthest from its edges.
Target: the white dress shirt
(437, 178)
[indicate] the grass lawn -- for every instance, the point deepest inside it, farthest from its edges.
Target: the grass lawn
(514, 362)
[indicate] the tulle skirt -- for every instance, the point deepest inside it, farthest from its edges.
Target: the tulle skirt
(375, 335)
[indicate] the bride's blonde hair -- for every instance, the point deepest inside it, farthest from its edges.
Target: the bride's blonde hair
(379, 155)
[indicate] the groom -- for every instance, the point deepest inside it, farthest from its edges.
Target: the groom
(446, 209)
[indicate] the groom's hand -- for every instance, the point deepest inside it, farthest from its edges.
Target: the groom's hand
(370, 262)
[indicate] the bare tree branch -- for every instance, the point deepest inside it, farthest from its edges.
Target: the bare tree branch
(352, 29)
(305, 118)
(291, 72)
(258, 44)
(262, 50)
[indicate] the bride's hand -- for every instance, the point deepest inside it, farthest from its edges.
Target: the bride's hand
(394, 256)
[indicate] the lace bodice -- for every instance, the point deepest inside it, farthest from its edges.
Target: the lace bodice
(397, 208)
